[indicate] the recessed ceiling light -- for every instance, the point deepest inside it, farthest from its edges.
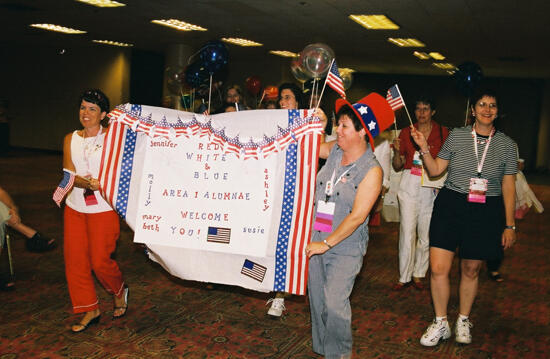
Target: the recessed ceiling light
(113, 43)
(58, 28)
(102, 3)
(179, 25)
(345, 70)
(444, 65)
(240, 42)
(374, 22)
(421, 55)
(283, 53)
(437, 56)
(406, 42)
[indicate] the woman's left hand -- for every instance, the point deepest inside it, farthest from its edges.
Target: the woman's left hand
(508, 238)
(321, 114)
(314, 248)
(93, 184)
(14, 217)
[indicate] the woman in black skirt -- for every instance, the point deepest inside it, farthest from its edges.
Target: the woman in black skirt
(474, 211)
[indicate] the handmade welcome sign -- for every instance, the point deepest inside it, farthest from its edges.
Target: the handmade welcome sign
(226, 198)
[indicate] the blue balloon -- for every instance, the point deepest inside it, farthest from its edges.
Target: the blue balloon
(214, 56)
(196, 74)
(467, 76)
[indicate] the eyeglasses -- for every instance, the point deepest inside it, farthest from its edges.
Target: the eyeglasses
(491, 105)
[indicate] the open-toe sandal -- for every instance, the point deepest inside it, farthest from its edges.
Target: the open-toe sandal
(123, 308)
(82, 327)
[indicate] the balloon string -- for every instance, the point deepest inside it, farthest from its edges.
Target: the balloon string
(467, 106)
(210, 94)
(263, 95)
(183, 100)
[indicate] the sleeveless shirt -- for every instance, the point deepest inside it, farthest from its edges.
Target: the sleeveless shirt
(82, 148)
(344, 196)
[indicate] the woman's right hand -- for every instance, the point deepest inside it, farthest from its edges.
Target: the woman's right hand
(419, 139)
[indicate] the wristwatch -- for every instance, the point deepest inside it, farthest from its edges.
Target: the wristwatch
(510, 227)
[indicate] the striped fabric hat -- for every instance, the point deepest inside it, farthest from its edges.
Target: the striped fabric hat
(374, 112)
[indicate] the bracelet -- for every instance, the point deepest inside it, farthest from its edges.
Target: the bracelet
(510, 227)
(422, 153)
(328, 245)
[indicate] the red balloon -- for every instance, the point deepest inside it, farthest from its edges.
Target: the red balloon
(253, 85)
(271, 92)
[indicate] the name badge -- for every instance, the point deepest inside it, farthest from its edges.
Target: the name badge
(416, 169)
(324, 217)
(89, 197)
(478, 188)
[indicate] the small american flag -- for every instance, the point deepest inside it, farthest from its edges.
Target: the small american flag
(218, 235)
(253, 270)
(394, 98)
(64, 187)
(335, 81)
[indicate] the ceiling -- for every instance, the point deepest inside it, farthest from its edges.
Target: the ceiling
(506, 38)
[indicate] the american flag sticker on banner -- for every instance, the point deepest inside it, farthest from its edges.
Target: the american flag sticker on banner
(218, 235)
(253, 270)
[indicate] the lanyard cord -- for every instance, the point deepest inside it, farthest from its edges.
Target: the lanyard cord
(480, 164)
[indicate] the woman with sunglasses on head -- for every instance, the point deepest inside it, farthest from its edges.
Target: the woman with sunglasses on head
(91, 226)
(474, 211)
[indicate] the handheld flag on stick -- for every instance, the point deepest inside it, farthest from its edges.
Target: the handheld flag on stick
(334, 80)
(395, 99)
(64, 187)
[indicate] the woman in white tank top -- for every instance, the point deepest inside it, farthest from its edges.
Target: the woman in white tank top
(91, 226)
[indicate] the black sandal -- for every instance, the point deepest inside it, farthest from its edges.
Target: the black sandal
(7, 285)
(39, 244)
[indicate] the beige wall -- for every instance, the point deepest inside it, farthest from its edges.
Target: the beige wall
(42, 88)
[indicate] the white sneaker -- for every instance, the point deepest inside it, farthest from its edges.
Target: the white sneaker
(277, 306)
(462, 331)
(436, 331)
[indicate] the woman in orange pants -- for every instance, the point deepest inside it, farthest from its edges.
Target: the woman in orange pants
(91, 226)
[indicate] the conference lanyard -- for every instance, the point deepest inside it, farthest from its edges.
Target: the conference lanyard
(480, 163)
(329, 189)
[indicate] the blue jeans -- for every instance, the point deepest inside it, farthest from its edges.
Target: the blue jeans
(330, 282)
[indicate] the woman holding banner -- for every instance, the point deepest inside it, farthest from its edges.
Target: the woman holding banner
(347, 188)
(91, 227)
(474, 211)
(290, 98)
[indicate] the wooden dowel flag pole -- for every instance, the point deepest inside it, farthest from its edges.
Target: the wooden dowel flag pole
(324, 86)
(396, 101)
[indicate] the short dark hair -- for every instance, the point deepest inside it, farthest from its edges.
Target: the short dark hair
(480, 92)
(426, 100)
(357, 123)
(295, 90)
(96, 96)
